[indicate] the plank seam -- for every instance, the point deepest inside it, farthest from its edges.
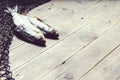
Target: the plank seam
(99, 61)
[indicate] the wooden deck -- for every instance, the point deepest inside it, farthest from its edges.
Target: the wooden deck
(88, 48)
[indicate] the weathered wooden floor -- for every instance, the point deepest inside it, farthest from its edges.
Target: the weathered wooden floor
(88, 48)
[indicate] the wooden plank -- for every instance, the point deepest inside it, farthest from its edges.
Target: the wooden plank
(64, 13)
(55, 5)
(28, 48)
(22, 50)
(83, 39)
(108, 69)
(48, 58)
(78, 20)
(89, 57)
(47, 8)
(63, 18)
(43, 11)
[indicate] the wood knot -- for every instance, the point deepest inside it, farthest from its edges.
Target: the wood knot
(80, 2)
(17, 75)
(68, 77)
(82, 18)
(72, 11)
(109, 21)
(52, 4)
(64, 8)
(49, 8)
